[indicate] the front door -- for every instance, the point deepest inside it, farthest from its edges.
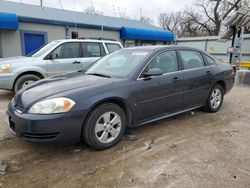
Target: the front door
(65, 58)
(160, 94)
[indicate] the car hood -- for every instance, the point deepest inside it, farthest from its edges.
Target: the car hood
(14, 60)
(58, 84)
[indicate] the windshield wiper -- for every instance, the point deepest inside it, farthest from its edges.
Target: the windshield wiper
(99, 74)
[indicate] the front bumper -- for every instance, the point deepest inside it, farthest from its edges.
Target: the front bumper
(6, 81)
(45, 128)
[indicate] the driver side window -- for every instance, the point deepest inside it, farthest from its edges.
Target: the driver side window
(166, 62)
(67, 50)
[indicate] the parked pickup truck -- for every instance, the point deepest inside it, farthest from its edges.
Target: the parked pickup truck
(54, 58)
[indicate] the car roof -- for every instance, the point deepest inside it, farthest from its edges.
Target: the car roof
(87, 40)
(160, 47)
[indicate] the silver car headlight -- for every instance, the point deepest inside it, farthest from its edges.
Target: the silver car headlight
(5, 68)
(52, 106)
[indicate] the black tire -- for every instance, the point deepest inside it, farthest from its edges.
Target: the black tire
(25, 78)
(88, 131)
(209, 107)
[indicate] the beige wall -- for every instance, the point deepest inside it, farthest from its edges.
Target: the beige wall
(95, 33)
(53, 32)
(11, 40)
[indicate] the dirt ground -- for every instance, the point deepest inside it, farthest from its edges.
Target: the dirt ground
(191, 150)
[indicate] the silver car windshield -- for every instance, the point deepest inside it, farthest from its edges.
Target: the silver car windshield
(40, 51)
(119, 64)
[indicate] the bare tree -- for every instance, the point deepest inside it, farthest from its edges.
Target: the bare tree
(213, 12)
(179, 23)
(118, 12)
(92, 10)
(146, 19)
(204, 19)
(172, 21)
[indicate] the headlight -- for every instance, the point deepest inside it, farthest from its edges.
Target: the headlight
(52, 106)
(5, 68)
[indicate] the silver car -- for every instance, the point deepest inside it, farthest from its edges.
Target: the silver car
(56, 57)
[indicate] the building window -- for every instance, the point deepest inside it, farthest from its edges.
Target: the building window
(129, 43)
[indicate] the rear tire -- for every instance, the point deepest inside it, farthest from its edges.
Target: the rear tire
(215, 99)
(104, 126)
(24, 81)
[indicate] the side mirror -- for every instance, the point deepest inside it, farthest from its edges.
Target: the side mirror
(153, 72)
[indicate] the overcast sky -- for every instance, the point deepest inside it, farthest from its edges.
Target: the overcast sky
(150, 8)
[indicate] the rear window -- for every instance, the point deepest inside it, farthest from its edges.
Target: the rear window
(112, 47)
(210, 61)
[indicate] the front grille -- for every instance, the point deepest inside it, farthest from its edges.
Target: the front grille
(43, 136)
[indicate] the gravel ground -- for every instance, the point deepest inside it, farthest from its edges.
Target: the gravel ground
(191, 150)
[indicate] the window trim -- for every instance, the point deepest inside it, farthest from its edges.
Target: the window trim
(178, 63)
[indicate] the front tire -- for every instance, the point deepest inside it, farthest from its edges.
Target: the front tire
(215, 99)
(104, 126)
(24, 81)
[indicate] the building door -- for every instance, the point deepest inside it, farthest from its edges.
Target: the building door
(33, 41)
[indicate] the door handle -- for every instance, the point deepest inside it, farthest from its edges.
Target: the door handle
(209, 72)
(176, 79)
(76, 62)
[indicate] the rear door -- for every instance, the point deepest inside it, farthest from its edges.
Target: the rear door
(91, 52)
(160, 94)
(65, 58)
(196, 78)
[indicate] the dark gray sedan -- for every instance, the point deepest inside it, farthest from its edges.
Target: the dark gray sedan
(127, 88)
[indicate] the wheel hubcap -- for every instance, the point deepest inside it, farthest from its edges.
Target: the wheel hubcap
(108, 127)
(215, 98)
(27, 83)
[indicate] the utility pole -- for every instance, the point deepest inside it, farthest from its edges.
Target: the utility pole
(140, 14)
(41, 3)
(93, 7)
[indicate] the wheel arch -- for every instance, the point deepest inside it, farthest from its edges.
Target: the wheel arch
(222, 84)
(123, 104)
(36, 73)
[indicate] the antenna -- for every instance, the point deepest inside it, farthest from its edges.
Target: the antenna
(61, 4)
(41, 3)
(74, 14)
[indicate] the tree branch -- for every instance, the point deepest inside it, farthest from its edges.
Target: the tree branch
(231, 8)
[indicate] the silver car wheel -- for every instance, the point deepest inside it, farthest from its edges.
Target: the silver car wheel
(27, 83)
(215, 98)
(108, 127)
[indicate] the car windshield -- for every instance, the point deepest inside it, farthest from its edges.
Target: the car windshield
(40, 51)
(119, 64)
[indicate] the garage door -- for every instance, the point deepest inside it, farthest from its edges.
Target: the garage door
(33, 41)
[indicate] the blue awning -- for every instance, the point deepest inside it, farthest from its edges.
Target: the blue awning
(146, 34)
(8, 21)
